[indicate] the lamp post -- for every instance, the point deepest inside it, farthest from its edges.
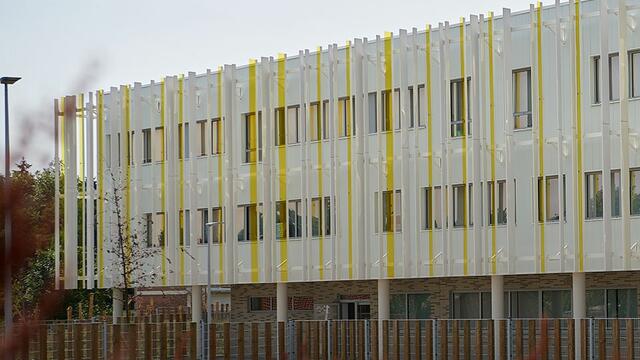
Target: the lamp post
(207, 226)
(8, 306)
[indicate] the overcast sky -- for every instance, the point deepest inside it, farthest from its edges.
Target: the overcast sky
(69, 46)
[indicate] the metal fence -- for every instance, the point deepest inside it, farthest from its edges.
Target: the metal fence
(334, 339)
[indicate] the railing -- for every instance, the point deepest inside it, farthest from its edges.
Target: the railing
(334, 339)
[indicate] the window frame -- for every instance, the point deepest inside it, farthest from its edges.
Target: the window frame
(515, 99)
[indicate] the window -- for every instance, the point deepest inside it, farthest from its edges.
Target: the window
(556, 304)
(131, 147)
(594, 195)
(327, 215)
(634, 192)
(615, 193)
(614, 78)
(148, 229)
(146, 146)
(471, 305)
(460, 108)
(249, 222)
(293, 134)
(634, 59)
(158, 144)
(410, 306)
(201, 226)
(216, 136)
(158, 229)
(522, 98)
(525, 304)
(550, 208)
(391, 211)
(119, 151)
(262, 303)
(411, 114)
(217, 229)
(201, 144)
(185, 228)
(295, 303)
(314, 121)
(612, 303)
(500, 202)
(422, 106)
(460, 203)
(183, 141)
(320, 217)
(431, 199)
(373, 112)
(281, 219)
(388, 104)
(252, 131)
(325, 114)
(344, 115)
(295, 218)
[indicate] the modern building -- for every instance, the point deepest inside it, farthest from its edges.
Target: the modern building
(488, 168)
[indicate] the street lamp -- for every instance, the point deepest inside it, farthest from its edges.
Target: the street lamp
(8, 313)
(207, 226)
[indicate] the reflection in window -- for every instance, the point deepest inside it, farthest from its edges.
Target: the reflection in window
(635, 192)
(373, 113)
(556, 304)
(550, 211)
(391, 211)
(525, 304)
(410, 306)
(500, 202)
(431, 200)
(249, 222)
(522, 98)
(460, 108)
(593, 185)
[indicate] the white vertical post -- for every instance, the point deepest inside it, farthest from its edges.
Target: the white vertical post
(336, 266)
(536, 140)
(508, 116)
(360, 95)
(497, 306)
(559, 116)
(194, 133)
(606, 138)
(90, 194)
(304, 158)
(578, 292)
(267, 205)
(118, 304)
(624, 129)
(228, 99)
(404, 153)
(383, 308)
(70, 192)
(56, 162)
(282, 302)
(196, 303)
(445, 100)
(475, 138)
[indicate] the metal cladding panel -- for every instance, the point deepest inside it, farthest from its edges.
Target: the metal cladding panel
(362, 98)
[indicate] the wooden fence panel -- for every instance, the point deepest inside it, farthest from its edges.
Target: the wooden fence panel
(352, 339)
(255, 338)
(531, 337)
(428, 339)
(193, 337)
(42, 338)
(385, 339)
(518, 340)
(602, 340)
(417, 343)
(444, 342)
(616, 339)
(630, 339)
(544, 339)
(282, 355)
(571, 339)
(213, 341)
(502, 340)
(268, 349)
(374, 339)
(148, 342)
(491, 349)
(361, 344)
(467, 339)
(343, 340)
(455, 334)
(226, 335)
(395, 327)
(164, 351)
(240, 340)
(478, 340)
(557, 339)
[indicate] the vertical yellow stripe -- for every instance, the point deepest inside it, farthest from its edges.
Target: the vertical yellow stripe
(578, 138)
(282, 164)
(492, 136)
(81, 192)
(253, 166)
(388, 84)
(182, 150)
(540, 125)
(100, 175)
(220, 160)
(320, 162)
(463, 100)
(349, 175)
(163, 195)
(429, 148)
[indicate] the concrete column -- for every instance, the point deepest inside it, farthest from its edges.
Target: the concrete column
(497, 308)
(118, 304)
(579, 296)
(196, 303)
(383, 299)
(282, 301)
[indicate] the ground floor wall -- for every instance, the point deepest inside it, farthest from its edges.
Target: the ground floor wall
(451, 297)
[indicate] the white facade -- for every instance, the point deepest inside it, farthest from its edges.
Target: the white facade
(532, 112)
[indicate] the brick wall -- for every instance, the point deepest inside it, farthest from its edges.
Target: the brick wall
(440, 289)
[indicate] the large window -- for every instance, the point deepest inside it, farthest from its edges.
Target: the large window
(217, 229)
(216, 136)
(634, 60)
(471, 305)
(390, 122)
(431, 200)
(183, 141)
(201, 226)
(615, 193)
(410, 306)
(294, 303)
(612, 303)
(556, 304)
(550, 209)
(391, 211)
(249, 222)
(252, 139)
(281, 219)
(185, 227)
(614, 78)
(346, 117)
(522, 98)
(295, 218)
(320, 217)
(593, 185)
(524, 304)
(293, 133)
(460, 201)
(280, 127)
(201, 140)
(146, 146)
(460, 108)
(500, 202)
(372, 104)
(158, 144)
(158, 229)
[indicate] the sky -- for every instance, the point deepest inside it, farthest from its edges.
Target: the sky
(65, 47)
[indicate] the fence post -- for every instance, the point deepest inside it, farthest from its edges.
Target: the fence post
(507, 340)
(316, 342)
(478, 339)
(616, 339)
(467, 339)
(76, 331)
(281, 343)
(212, 341)
(373, 339)
(163, 340)
(591, 340)
(518, 344)
(571, 339)
(456, 339)
(491, 342)
(240, 340)
(557, 343)
(602, 342)
(267, 341)
(417, 340)
(385, 339)
(226, 329)
(193, 339)
(544, 339)
(361, 340)
(254, 341)
(343, 340)
(428, 339)
(630, 339)
(531, 338)
(444, 341)
(334, 340)
(299, 348)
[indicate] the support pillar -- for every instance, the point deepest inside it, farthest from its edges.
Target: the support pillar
(282, 301)
(497, 309)
(579, 296)
(383, 309)
(118, 304)
(196, 303)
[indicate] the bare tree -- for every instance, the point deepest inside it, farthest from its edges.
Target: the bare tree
(129, 250)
